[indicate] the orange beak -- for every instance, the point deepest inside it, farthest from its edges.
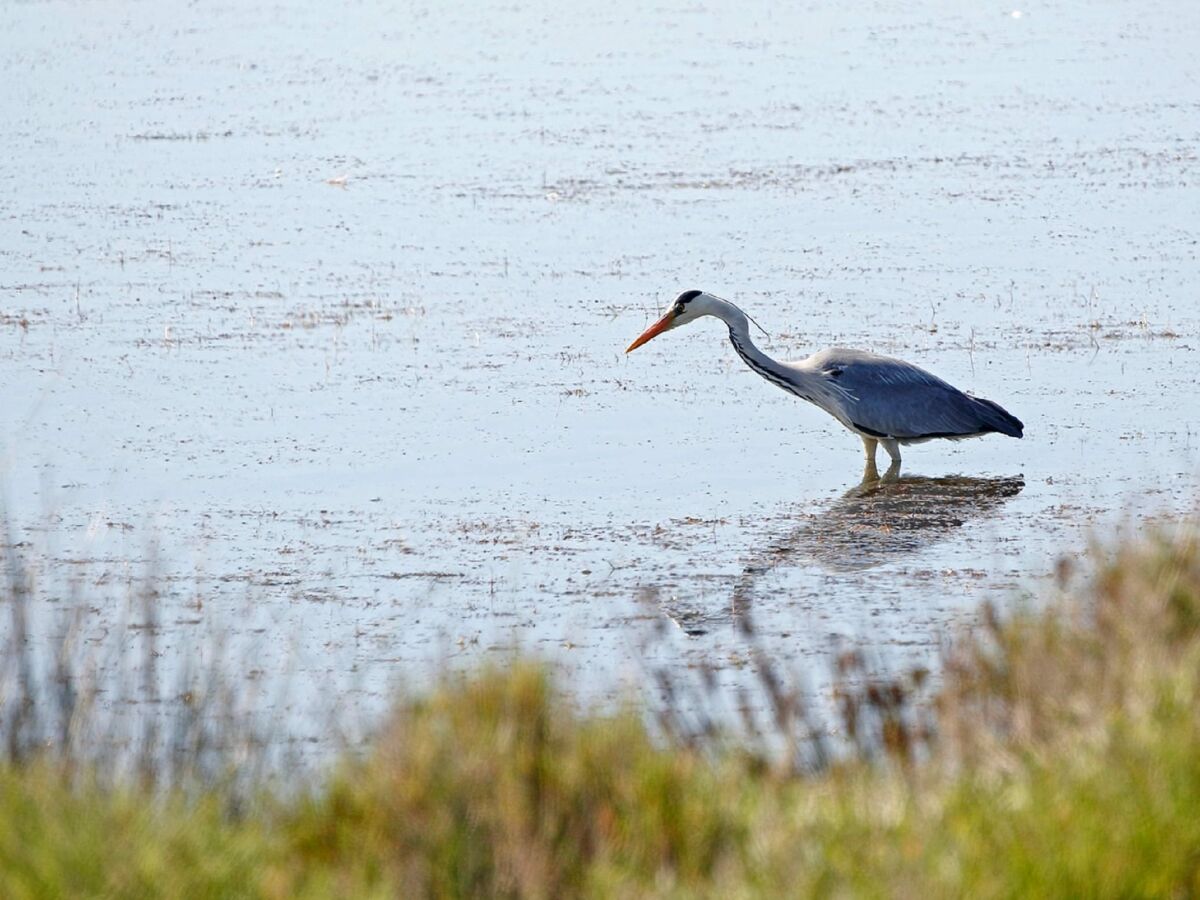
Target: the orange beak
(653, 331)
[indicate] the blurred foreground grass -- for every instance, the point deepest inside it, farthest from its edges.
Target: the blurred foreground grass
(1062, 758)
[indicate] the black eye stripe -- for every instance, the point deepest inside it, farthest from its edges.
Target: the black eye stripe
(688, 296)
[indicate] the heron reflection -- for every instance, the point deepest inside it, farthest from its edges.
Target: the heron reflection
(878, 521)
(872, 523)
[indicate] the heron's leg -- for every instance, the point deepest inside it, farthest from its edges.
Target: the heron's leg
(870, 472)
(892, 446)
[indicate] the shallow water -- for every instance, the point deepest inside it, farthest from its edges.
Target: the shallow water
(317, 316)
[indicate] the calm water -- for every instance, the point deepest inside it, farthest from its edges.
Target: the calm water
(317, 315)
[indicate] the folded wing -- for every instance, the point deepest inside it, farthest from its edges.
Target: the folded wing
(886, 397)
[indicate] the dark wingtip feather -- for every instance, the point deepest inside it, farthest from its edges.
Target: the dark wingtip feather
(1000, 419)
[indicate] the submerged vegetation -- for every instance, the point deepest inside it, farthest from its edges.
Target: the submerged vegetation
(1056, 754)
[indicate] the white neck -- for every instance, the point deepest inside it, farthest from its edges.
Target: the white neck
(805, 385)
(739, 336)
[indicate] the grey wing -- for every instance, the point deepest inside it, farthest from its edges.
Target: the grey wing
(888, 397)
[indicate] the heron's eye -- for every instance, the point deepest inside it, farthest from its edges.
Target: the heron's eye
(679, 309)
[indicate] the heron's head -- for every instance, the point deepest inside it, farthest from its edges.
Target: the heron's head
(686, 307)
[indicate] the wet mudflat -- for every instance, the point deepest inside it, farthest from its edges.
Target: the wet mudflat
(316, 317)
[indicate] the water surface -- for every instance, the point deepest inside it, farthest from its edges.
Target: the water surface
(317, 315)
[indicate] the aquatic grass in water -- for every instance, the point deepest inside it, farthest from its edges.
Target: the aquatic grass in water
(121, 707)
(1058, 756)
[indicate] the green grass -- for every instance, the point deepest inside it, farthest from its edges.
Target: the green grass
(1064, 761)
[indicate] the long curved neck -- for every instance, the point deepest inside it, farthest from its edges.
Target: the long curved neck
(739, 335)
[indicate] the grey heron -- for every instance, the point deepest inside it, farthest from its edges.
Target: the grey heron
(883, 400)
